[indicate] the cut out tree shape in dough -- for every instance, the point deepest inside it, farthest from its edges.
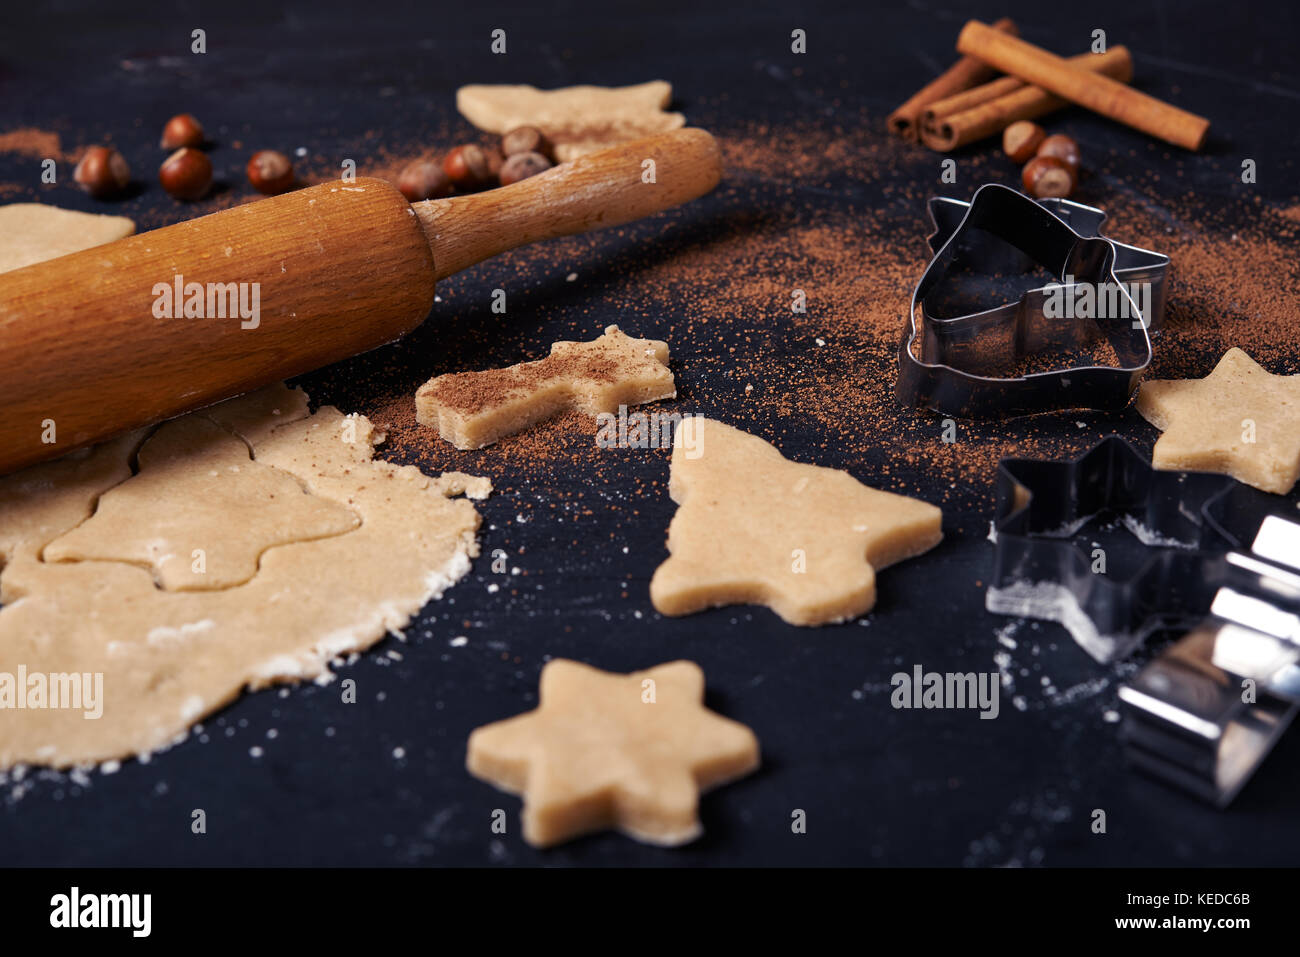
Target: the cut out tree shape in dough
(603, 750)
(1240, 420)
(756, 528)
(200, 512)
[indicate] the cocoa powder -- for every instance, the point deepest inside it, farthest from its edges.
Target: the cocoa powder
(29, 141)
(823, 379)
(837, 211)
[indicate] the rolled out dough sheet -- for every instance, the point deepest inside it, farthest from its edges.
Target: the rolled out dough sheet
(254, 545)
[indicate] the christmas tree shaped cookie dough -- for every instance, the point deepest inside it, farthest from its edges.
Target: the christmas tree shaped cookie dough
(756, 528)
(625, 751)
(1239, 420)
(201, 511)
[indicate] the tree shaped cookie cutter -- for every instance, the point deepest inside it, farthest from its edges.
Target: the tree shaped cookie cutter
(1206, 712)
(961, 357)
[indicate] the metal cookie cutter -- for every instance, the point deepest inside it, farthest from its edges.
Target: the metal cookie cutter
(961, 357)
(1205, 714)
(1185, 523)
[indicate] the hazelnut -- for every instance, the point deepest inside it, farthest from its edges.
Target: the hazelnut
(270, 172)
(468, 167)
(181, 130)
(1020, 140)
(1046, 176)
(424, 179)
(523, 165)
(186, 174)
(102, 172)
(526, 139)
(1062, 147)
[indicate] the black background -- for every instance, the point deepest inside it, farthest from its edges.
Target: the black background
(879, 786)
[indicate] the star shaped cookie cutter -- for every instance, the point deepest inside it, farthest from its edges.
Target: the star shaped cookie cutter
(961, 357)
(1206, 712)
(1186, 523)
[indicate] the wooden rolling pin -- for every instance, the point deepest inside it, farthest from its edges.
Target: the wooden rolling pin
(340, 268)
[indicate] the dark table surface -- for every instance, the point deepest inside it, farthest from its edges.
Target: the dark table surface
(879, 786)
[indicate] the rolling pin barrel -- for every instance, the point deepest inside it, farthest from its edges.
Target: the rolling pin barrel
(125, 334)
(132, 332)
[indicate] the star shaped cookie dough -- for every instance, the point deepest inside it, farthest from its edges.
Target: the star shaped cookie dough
(625, 751)
(1240, 420)
(756, 528)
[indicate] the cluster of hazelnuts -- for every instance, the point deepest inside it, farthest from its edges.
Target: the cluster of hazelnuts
(186, 173)
(1051, 162)
(523, 152)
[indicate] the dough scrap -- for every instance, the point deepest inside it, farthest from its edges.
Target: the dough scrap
(33, 232)
(1240, 420)
(214, 510)
(475, 409)
(756, 528)
(625, 751)
(577, 119)
(169, 657)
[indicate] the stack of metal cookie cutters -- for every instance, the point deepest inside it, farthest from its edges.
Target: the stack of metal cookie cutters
(1216, 559)
(962, 361)
(985, 339)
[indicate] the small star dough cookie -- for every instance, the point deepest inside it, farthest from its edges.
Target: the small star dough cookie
(577, 119)
(33, 232)
(756, 528)
(474, 409)
(1239, 420)
(603, 750)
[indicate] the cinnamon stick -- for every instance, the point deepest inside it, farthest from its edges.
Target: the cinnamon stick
(962, 75)
(989, 109)
(1006, 85)
(1098, 93)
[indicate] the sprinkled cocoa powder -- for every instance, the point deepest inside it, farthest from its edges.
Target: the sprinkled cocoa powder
(28, 141)
(718, 282)
(721, 293)
(472, 392)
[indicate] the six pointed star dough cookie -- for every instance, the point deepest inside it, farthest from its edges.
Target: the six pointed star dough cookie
(1239, 420)
(603, 750)
(754, 527)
